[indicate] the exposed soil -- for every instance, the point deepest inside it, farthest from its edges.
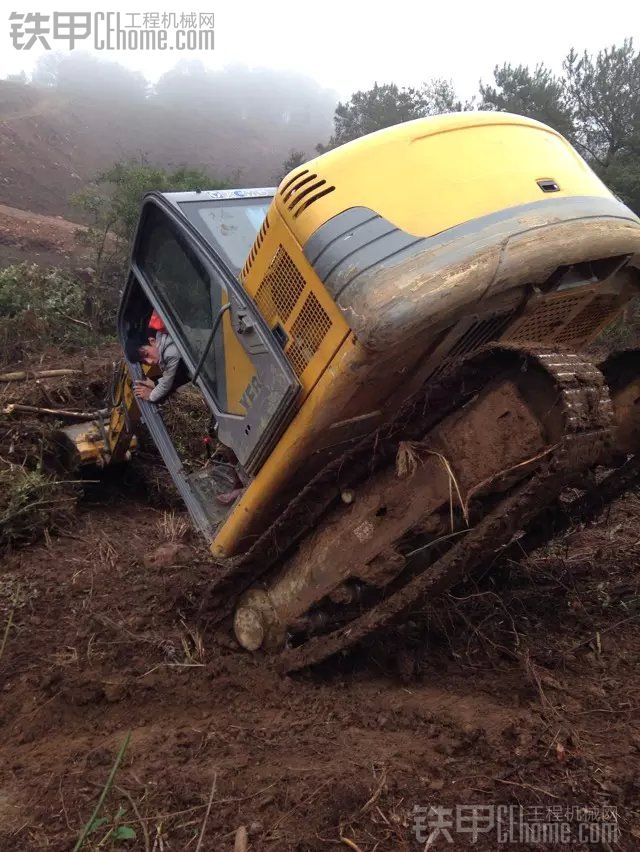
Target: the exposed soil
(46, 240)
(522, 687)
(52, 144)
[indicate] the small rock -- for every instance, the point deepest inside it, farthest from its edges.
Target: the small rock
(166, 555)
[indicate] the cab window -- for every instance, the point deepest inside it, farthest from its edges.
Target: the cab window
(184, 287)
(230, 225)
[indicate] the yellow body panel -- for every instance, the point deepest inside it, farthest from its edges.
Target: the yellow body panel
(280, 259)
(237, 365)
(431, 174)
(312, 418)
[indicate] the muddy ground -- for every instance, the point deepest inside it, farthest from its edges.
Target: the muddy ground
(519, 688)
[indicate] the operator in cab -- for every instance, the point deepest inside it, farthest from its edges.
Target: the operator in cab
(157, 349)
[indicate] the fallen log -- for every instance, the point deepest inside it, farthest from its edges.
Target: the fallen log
(23, 375)
(54, 412)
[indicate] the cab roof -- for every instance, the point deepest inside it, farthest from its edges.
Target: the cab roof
(177, 198)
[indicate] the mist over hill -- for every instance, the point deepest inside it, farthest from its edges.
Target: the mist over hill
(77, 115)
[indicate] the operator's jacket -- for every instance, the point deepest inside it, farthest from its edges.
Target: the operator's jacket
(172, 366)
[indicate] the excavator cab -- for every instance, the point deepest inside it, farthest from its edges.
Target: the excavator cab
(186, 258)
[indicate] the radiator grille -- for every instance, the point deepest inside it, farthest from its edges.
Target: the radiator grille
(308, 331)
(548, 318)
(280, 289)
(567, 318)
(591, 318)
(279, 297)
(481, 332)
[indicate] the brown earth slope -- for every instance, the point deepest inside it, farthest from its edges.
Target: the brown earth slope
(32, 237)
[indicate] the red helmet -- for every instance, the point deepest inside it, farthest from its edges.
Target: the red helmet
(156, 323)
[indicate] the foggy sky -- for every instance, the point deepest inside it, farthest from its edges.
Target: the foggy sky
(347, 46)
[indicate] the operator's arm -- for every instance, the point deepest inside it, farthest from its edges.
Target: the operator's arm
(165, 382)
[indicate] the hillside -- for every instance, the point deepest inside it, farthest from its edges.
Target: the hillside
(52, 143)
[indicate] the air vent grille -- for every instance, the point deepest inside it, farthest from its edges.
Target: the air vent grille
(313, 198)
(280, 289)
(303, 190)
(255, 247)
(570, 318)
(309, 329)
(599, 312)
(548, 318)
(291, 181)
(481, 332)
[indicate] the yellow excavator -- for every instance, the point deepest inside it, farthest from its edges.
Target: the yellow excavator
(394, 346)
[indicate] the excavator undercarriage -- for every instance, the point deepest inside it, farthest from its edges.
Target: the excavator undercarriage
(470, 462)
(503, 437)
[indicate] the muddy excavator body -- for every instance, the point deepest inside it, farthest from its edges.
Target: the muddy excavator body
(392, 344)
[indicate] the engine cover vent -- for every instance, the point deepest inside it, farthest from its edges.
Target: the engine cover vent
(303, 190)
(309, 329)
(255, 247)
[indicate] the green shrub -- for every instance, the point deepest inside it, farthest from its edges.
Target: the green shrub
(111, 206)
(41, 306)
(49, 293)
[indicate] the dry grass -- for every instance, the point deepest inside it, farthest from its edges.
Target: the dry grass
(408, 459)
(172, 527)
(192, 645)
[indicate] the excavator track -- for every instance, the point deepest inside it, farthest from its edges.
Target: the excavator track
(621, 371)
(589, 419)
(583, 400)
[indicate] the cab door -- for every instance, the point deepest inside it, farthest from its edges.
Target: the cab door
(225, 343)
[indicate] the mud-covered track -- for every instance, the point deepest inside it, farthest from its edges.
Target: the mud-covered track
(582, 403)
(588, 421)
